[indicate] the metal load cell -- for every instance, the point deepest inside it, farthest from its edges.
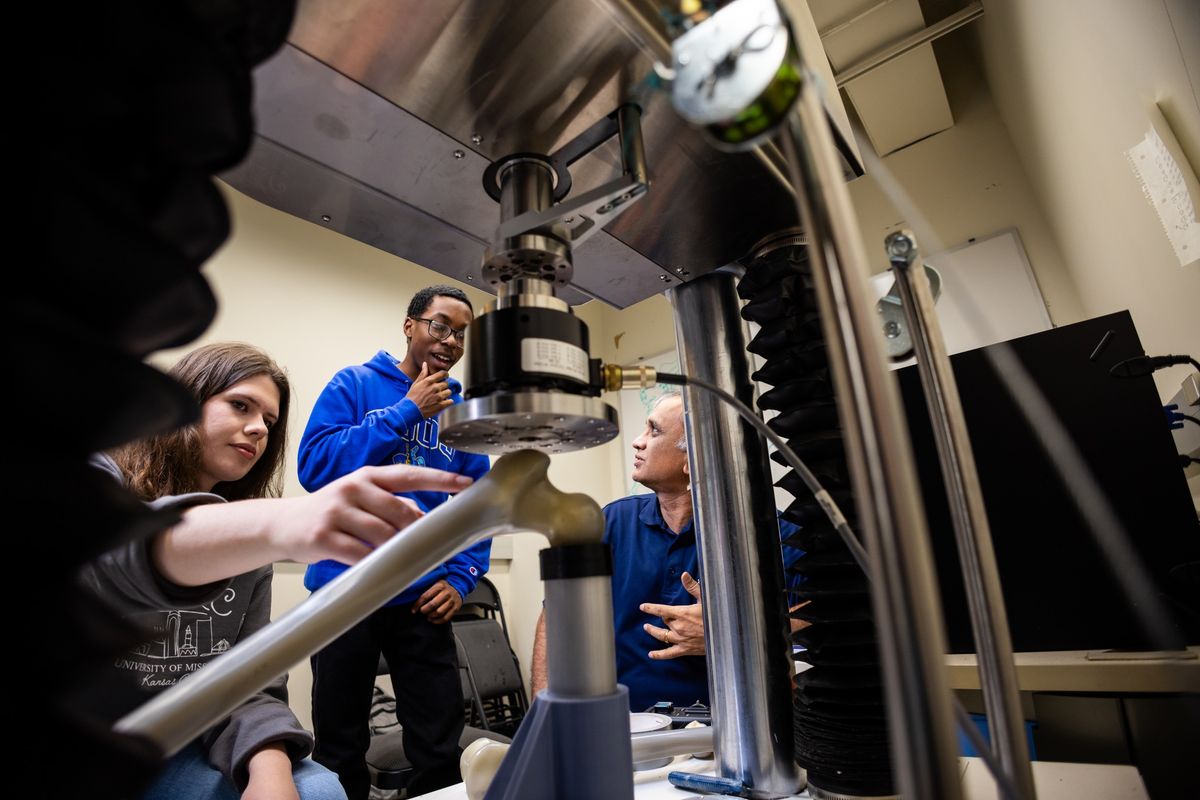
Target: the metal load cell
(531, 381)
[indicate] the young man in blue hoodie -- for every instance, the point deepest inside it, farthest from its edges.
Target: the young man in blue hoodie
(386, 412)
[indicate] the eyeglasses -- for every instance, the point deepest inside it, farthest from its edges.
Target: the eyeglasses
(441, 331)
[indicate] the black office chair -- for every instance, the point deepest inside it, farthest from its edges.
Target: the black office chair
(493, 684)
(483, 603)
(389, 767)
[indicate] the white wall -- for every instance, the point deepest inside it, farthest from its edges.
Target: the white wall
(1078, 83)
(968, 182)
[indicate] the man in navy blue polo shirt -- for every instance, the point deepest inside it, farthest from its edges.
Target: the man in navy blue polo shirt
(654, 559)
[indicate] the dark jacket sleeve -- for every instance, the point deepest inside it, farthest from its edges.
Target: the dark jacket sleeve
(126, 577)
(263, 719)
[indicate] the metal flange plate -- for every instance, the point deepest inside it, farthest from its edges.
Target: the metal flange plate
(553, 422)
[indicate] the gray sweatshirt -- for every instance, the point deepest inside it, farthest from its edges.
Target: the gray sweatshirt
(186, 628)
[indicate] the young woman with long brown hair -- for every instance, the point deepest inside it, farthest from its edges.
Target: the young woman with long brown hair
(205, 583)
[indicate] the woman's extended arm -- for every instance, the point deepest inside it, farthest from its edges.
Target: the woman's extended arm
(343, 521)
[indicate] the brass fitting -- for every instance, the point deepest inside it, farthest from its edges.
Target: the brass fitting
(615, 377)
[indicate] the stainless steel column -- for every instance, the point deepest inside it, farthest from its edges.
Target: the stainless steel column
(745, 618)
(581, 657)
(989, 621)
(525, 185)
(904, 590)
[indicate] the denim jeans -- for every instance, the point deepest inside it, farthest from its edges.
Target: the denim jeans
(188, 776)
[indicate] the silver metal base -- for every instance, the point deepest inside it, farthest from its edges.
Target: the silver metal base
(553, 422)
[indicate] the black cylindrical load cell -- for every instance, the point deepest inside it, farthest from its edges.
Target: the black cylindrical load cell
(576, 561)
(530, 347)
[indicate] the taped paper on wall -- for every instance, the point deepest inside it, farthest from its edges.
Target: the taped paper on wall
(1170, 187)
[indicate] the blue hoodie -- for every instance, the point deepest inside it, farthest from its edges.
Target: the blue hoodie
(363, 418)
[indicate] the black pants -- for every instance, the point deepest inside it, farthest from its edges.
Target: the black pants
(429, 701)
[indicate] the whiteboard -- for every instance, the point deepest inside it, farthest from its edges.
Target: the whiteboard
(989, 293)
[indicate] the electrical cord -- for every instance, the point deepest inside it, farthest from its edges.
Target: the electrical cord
(1188, 417)
(827, 503)
(822, 496)
(1144, 365)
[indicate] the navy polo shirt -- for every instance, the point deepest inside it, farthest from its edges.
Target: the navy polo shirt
(648, 559)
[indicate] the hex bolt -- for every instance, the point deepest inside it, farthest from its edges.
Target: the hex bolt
(900, 246)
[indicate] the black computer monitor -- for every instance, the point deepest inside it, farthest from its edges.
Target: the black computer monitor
(1059, 590)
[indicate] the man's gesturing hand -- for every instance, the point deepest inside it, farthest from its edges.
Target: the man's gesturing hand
(684, 634)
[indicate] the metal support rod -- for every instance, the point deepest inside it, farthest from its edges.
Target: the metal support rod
(633, 148)
(580, 653)
(574, 743)
(514, 496)
(997, 672)
(745, 618)
(525, 185)
(660, 744)
(904, 590)
(909, 43)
